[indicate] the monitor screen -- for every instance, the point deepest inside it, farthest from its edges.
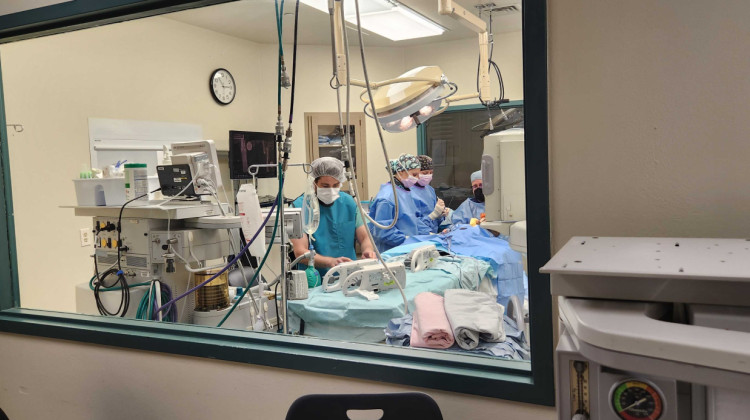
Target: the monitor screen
(250, 148)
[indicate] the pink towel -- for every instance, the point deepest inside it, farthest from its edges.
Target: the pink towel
(430, 327)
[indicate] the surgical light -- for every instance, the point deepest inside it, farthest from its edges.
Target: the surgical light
(426, 110)
(386, 18)
(417, 95)
(410, 99)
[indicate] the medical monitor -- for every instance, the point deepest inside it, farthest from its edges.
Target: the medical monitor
(248, 148)
(201, 146)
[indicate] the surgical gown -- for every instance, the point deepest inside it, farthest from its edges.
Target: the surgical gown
(382, 211)
(425, 200)
(466, 211)
(336, 232)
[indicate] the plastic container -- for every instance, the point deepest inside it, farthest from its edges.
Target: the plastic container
(310, 209)
(105, 191)
(251, 218)
(240, 319)
(136, 184)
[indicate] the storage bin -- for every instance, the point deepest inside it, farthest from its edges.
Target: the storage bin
(106, 191)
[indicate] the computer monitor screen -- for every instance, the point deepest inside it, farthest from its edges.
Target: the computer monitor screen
(251, 148)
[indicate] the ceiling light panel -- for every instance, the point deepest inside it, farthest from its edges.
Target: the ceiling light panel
(389, 19)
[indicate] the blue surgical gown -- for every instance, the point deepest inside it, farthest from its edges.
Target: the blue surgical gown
(382, 211)
(336, 232)
(425, 200)
(466, 211)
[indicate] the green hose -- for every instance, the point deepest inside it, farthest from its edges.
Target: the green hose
(146, 307)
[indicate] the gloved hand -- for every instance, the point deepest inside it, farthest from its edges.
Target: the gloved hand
(438, 211)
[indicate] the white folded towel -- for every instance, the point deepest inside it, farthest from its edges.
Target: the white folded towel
(474, 316)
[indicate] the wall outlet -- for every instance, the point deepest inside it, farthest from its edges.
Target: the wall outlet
(87, 237)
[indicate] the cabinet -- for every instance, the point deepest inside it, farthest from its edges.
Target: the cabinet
(324, 137)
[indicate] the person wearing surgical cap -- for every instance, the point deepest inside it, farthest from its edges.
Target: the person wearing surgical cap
(472, 207)
(340, 222)
(429, 205)
(405, 171)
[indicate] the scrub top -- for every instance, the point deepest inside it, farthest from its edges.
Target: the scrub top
(425, 200)
(336, 232)
(468, 209)
(382, 211)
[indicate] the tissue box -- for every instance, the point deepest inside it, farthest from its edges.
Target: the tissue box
(106, 191)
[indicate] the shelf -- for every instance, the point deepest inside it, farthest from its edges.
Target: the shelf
(172, 210)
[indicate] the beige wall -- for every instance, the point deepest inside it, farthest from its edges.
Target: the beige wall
(57, 379)
(648, 118)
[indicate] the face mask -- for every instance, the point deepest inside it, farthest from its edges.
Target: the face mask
(424, 180)
(410, 181)
(479, 195)
(328, 195)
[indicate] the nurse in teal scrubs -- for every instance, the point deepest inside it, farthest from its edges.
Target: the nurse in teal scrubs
(340, 222)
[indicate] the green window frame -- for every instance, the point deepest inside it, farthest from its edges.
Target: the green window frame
(531, 383)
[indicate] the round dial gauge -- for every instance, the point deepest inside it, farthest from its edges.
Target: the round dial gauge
(222, 86)
(636, 400)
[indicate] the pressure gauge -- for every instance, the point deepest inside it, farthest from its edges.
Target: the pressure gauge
(636, 399)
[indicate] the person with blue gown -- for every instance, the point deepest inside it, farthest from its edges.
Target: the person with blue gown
(340, 222)
(472, 207)
(429, 205)
(405, 171)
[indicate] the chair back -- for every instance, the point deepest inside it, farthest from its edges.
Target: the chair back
(396, 406)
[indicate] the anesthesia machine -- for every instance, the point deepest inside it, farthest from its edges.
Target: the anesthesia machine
(652, 328)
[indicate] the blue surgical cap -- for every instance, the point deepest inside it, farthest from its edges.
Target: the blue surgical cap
(476, 175)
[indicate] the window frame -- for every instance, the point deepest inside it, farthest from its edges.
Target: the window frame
(530, 383)
(422, 128)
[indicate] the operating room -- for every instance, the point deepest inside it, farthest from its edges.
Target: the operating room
(85, 107)
(156, 88)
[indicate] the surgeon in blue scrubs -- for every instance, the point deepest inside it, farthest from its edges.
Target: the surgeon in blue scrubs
(472, 207)
(340, 222)
(429, 205)
(405, 171)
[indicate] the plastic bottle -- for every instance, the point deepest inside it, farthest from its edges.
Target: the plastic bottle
(136, 183)
(251, 218)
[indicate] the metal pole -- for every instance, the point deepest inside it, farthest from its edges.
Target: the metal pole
(284, 272)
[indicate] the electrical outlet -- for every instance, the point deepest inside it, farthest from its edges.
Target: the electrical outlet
(87, 237)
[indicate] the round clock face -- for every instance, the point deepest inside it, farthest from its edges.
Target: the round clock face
(222, 86)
